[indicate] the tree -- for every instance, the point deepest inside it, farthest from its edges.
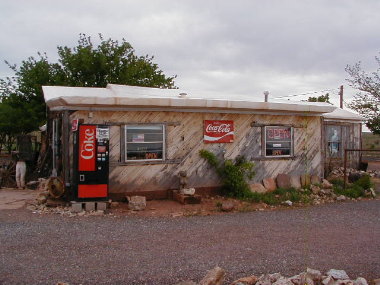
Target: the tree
(322, 98)
(367, 101)
(85, 65)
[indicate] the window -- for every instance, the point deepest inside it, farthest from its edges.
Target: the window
(334, 141)
(144, 142)
(278, 141)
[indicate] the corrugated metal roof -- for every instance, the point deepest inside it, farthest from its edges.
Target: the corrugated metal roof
(61, 97)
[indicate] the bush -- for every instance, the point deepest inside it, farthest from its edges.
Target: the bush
(364, 182)
(234, 174)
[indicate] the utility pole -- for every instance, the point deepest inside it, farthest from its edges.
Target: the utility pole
(341, 96)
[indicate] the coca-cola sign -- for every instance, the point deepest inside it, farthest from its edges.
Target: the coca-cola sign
(218, 131)
(87, 142)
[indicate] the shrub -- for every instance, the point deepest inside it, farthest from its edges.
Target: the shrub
(234, 174)
(364, 182)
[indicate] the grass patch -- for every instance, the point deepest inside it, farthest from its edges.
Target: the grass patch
(280, 195)
(353, 190)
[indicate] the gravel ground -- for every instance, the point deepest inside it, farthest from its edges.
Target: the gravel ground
(46, 249)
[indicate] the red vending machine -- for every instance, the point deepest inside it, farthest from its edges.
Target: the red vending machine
(91, 153)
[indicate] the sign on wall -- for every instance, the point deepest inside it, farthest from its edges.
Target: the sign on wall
(218, 131)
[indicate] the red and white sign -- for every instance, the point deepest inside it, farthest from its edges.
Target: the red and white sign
(218, 131)
(74, 125)
(87, 143)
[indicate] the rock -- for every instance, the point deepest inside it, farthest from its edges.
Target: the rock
(186, 283)
(274, 277)
(313, 274)
(227, 206)
(341, 198)
(137, 203)
(114, 204)
(257, 188)
(296, 279)
(288, 203)
(360, 281)
(376, 281)
(305, 180)
(187, 191)
(337, 274)
(269, 184)
(315, 179)
(213, 277)
(326, 184)
(315, 189)
(283, 181)
(283, 281)
(372, 191)
(266, 280)
(295, 181)
(328, 281)
(250, 280)
(41, 199)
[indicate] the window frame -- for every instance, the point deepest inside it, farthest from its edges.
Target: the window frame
(340, 142)
(125, 143)
(291, 142)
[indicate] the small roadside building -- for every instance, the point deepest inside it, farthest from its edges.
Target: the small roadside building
(118, 140)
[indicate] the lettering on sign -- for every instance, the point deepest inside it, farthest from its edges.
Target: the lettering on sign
(87, 147)
(217, 131)
(151, 155)
(279, 133)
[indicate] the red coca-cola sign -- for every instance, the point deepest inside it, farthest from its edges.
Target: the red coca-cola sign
(218, 131)
(87, 143)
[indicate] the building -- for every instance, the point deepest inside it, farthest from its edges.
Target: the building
(148, 135)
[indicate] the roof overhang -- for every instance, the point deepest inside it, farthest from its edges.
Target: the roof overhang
(121, 97)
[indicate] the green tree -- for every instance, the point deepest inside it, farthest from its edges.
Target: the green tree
(85, 65)
(322, 98)
(367, 101)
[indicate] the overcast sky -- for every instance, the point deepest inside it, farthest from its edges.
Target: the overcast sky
(231, 47)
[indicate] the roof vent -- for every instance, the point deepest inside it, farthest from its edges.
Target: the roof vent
(182, 95)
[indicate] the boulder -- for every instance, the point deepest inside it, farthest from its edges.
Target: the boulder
(360, 281)
(257, 188)
(314, 179)
(328, 281)
(341, 198)
(313, 274)
(250, 280)
(338, 274)
(295, 181)
(136, 203)
(283, 181)
(227, 206)
(305, 180)
(269, 184)
(213, 277)
(283, 281)
(326, 184)
(187, 191)
(315, 189)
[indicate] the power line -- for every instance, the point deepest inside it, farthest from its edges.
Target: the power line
(306, 93)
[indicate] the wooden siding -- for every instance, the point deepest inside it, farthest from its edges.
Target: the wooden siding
(185, 140)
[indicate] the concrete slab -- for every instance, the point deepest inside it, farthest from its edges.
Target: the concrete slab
(11, 199)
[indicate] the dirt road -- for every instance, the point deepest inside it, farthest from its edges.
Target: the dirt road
(129, 250)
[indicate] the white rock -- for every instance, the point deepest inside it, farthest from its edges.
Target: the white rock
(341, 198)
(360, 281)
(313, 274)
(288, 202)
(338, 274)
(283, 281)
(188, 191)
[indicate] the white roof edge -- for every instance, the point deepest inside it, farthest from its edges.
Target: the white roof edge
(343, 115)
(132, 96)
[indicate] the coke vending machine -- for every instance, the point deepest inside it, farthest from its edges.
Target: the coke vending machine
(91, 162)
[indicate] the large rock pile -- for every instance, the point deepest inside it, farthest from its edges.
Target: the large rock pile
(338, 173)
(217, 275)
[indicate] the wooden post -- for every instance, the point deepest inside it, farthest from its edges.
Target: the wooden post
(65, 148)
(341, 96)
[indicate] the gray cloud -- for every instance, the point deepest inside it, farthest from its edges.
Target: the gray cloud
(232, 47)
